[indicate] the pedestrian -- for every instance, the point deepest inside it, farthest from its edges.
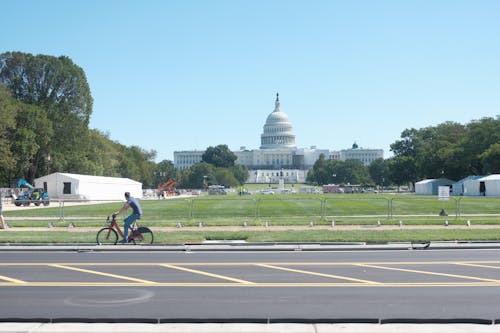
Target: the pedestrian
(2, 221)
(136, 214)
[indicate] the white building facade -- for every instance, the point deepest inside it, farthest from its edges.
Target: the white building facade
(366, 156)
(278, 155)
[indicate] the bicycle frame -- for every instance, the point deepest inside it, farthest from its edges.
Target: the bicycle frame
(114, 225)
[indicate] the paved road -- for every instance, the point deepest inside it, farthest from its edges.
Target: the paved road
(245, 286)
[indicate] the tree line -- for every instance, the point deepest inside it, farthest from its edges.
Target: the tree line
(448, 150)
(46, 104)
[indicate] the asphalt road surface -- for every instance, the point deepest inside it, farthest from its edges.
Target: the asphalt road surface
(246, 286)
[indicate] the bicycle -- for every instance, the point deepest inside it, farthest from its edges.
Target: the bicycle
(137, 235)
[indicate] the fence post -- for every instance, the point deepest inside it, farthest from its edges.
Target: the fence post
(190, 217)
(323, 208)
(389, 208)
(254, 209)
(257, 208)
(61, 210)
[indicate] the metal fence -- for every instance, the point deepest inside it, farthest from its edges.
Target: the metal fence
(283, 209)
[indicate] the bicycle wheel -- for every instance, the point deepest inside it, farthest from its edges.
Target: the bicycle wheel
(143, 235)
(107, 236)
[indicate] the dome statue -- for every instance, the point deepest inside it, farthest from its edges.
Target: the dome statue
(277, 130)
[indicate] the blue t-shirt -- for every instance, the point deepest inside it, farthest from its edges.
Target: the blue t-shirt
(132, 202)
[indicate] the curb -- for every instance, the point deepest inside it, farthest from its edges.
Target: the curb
(242, 246)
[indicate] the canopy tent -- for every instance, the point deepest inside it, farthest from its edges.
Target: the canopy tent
(83, 187)
(488, 186)
(460, 186)
(431, 186)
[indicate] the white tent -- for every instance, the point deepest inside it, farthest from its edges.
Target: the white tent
(459, 188)
(486, 186)
(84, 187)
(431, 186)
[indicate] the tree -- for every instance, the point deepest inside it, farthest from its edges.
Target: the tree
(379, 171)
(7, 126)
(402, 170)
(225, 177)
(356, 172)
(60, 89)
(481, 134)
(137, 163)
(320, 174)
(164, 171)
(200, 175)
(24, 129)
(490, 159)
(240, 172)
(219, 156)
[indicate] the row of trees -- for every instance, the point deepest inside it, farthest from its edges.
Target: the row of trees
(449, 150)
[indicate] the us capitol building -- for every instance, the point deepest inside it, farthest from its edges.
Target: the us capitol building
(278, 156)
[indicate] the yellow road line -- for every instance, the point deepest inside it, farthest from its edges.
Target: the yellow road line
(195, 271)
(316, 273)
(430, 273)
(102, 273)
(6, 278)
(476, 265)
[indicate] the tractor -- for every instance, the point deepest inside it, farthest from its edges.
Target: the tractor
(30, 194)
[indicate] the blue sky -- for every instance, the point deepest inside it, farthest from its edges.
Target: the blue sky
(181, 75)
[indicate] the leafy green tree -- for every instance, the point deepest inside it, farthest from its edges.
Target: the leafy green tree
(402, 170)
(24, 130)
(219, 156)
(439, 153)
(200, 175)
(320, 172)
(356, 172)
(490, 159)
(60, 89)
(379, 171)
(225, 177)
(164, 171)
(8, 110)
(137, 164)
(481, 134)
(240, 172)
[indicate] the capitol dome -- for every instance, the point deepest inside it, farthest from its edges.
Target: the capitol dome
(277, 130)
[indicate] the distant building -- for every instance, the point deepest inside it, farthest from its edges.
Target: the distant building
(278, 155)
(366, 156)
(184, 159)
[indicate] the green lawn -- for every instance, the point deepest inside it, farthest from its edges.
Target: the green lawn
(258, 209)
(187, 236)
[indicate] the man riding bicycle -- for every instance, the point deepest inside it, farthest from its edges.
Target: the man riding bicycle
(136, 214)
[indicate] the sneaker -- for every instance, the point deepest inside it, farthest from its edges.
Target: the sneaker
(123, 241)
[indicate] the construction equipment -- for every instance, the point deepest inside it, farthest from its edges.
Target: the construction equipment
(167, 188)
(30, 194)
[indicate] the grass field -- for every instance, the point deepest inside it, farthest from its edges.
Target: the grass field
(276, 210)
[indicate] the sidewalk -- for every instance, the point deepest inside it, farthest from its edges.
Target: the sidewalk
(245, 328)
